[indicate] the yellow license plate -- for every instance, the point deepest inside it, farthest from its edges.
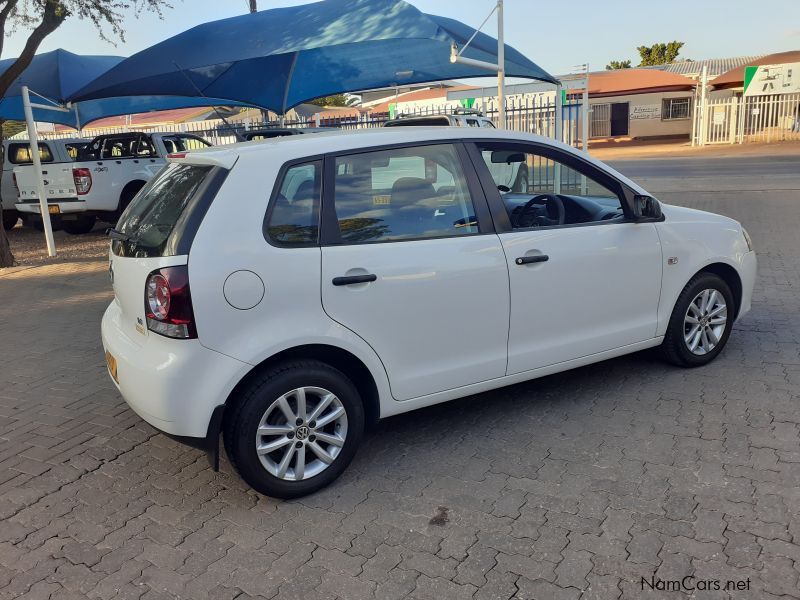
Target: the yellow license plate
(112, 365)
(54, 209)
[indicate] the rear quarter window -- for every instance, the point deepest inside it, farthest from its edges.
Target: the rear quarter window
(156, 211)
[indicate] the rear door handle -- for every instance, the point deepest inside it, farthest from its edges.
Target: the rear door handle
(353, 279)
(536, 258)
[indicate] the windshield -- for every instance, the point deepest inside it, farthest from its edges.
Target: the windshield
(152, 215)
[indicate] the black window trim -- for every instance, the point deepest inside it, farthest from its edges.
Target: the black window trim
(584, 167)
(317, 158)
(330, 234)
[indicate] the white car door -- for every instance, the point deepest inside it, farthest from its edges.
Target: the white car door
(584, 278)
(410, 263)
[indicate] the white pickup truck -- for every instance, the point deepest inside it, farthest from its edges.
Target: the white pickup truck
(17, 153)
(103, 180)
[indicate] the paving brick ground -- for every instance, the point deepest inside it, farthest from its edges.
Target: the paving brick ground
(573, 486)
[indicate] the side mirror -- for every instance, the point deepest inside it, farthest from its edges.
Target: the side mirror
(646, 209)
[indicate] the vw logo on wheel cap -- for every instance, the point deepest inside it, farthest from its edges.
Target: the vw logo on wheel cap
(302, 432)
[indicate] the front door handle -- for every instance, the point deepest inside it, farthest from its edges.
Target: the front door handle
(536, 258)
(353, 279)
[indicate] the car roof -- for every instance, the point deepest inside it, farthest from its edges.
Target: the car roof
(300, 146)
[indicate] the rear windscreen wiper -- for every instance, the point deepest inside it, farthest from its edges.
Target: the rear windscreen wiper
(117, 235)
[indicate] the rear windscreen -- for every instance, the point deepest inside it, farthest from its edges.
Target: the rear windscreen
(153, 214)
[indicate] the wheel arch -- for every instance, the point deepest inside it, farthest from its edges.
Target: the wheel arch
(128, 192)
(343, 360)
(730, 276)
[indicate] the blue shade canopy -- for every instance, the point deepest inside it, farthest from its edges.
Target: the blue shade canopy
(58, 74)
(279, 58)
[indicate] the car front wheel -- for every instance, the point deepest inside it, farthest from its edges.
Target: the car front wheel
(295, 428)
(701, 322)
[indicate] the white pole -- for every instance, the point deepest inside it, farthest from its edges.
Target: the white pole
(37, 168)
(585, 116)
(704, 109)
(558, 115)
(501, 64)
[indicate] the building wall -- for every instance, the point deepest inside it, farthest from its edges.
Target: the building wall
(645, 114)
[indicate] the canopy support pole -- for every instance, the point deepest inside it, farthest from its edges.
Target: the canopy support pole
(500, 67)
(37, 168)
(286, 89)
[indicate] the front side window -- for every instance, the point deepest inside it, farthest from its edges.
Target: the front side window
(293, 218)
(401, 194)
(20, 154)
(538, 191)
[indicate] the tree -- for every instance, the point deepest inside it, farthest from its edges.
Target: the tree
(618, 64)
(337, 100)
(659, 54)
(43, 17)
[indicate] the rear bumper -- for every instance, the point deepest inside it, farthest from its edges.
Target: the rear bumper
(175, 385)
(65, 206)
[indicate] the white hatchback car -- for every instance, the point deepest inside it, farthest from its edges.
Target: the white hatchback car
(289, 292)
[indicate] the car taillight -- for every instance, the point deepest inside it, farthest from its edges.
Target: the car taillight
(83, 180)
(168, 303)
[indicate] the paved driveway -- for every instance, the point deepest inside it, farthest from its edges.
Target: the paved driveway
(575, 485)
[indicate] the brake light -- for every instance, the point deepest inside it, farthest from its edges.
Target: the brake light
(177, 155)
(83, 180)
(168, 303)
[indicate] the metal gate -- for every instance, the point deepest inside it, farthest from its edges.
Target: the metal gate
(717, 121)
(600, 120)
(750, 119)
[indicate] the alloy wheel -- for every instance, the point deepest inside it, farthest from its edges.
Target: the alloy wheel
(705, 321)
(301, 433)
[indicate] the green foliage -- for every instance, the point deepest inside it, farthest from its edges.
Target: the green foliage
(618, 64)
(659, 54)
(337, 100)
(11, 128)
(104, 14)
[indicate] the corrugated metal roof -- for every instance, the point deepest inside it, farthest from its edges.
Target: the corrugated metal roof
(716, 66)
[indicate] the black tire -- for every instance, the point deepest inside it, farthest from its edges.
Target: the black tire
(674, 347)
(36, 222)
(521, 183)
(79, 226)
(10, 218)
(241, 424)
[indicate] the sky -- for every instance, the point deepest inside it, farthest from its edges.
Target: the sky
(555, 35)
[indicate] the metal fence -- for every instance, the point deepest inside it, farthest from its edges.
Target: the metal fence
(532, 115)
(747, 119)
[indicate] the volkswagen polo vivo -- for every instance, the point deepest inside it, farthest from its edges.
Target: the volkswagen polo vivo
(286, 293)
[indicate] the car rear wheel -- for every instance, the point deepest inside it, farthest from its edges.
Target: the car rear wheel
(701, 322)
(83, 224)
(295, 428)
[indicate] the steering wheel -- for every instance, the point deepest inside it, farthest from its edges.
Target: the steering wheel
(530, 215)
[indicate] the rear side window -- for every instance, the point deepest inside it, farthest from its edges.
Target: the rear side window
(153, 214)
(20, 154)
(293, 217)
(402, 194)
(183, 143)
(76, 149)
